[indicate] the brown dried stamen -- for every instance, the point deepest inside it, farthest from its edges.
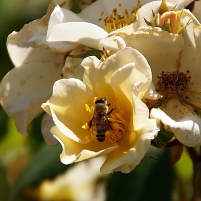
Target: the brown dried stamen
(173, 83)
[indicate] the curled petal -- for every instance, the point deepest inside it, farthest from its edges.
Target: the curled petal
(47, 124)
(114, 41)
(60, 15)
(74, 152)
(179, 119)
(79, 32)
(126, 56)
(34, 35)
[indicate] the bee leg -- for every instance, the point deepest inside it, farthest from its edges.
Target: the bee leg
(109, 125)
(110, 111)
(90, 124)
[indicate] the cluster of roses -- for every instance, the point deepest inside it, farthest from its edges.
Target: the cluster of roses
(145, 62)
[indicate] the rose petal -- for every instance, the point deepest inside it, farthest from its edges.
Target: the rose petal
(61, 15)
(20, 87)
(74, 152)
(151, 93)
(191, 54)
(196, 10)
(193, 99)
(159, 46)
(67, 108)
(32, 35)
(122, 82)
(133, 72)
(79, 32)
(114, 42)
(102, 73)
(47, 124)
(181, 121)
(130, 152)
(140, 113)
(180, 3)
(93, 12)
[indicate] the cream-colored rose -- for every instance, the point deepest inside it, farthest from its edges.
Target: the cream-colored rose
(38, 64)
(174, 56)
(122, 79)
(175, 63)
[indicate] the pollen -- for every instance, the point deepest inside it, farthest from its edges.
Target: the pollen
(117, 127)
(173, 83)
(116, 21)
(106, 123)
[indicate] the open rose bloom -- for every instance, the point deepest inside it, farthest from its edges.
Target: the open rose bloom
(151, 69)
(171, 45)
(39, 63)
(123, 79)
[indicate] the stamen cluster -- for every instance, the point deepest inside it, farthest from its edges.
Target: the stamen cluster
(173, 83)
(116, 21)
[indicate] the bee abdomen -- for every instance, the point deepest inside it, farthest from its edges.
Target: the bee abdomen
(100, 136)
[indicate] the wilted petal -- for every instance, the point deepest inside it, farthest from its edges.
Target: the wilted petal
(191, 54)
(20, 87)
(193, 99)
(196, 10)
(72, 67)
(181, 120)
(154, 40)
(32, 35)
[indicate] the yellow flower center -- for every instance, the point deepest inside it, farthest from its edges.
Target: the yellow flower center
(116, 21)
(173, 83)
(106, 123)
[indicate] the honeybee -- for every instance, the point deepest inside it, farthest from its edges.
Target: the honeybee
(100, 123)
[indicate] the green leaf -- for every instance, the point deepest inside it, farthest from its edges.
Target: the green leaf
(162, 138)
(75, 7)
(3, 122)
(44, 164)
(150, 180)
(87, 53)
(35, 138)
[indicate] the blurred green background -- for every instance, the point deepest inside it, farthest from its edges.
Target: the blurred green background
(27, 162)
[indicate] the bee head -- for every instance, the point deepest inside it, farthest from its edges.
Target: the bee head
(100, 100)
